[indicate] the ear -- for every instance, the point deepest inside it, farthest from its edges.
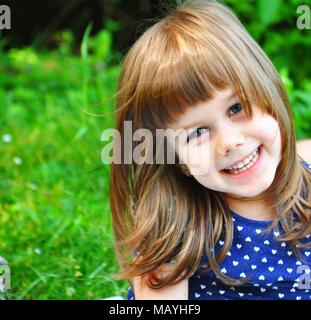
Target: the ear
(304, 149)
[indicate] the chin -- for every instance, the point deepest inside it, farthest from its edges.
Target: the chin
(256, 190)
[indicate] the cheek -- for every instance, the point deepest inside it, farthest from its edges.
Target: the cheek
(266, 130)
(210, 181)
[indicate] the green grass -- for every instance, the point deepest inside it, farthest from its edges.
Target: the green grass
(54, 193)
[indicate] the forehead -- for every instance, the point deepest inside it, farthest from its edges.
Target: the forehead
(193, 113)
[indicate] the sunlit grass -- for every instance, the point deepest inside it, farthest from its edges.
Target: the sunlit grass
(54, 196)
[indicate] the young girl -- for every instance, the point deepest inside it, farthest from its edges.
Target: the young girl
(239, 228)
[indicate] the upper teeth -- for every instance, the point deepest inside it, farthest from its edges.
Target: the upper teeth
(245, 162)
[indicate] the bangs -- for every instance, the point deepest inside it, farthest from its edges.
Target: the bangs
(187, 57)
(185, 66)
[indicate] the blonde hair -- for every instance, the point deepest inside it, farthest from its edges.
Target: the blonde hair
(158, 212)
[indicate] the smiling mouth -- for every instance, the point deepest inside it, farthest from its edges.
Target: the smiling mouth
(245, 164)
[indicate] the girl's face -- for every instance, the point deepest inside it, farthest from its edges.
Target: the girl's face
(242, 154)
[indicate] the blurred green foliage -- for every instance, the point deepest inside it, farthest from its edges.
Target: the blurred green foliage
(273, 25)
(54, 210)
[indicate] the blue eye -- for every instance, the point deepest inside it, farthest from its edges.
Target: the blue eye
(196, 133)
(235, 108)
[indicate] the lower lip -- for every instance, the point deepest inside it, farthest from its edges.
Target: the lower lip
(249, 171)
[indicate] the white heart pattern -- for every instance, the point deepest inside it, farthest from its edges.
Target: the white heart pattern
(261, 257)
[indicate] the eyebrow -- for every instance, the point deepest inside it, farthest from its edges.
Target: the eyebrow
(196, 123)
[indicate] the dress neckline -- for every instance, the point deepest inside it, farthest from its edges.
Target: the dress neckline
(238, 218)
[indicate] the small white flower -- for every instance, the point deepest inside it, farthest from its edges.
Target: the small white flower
(32, 186)
(17, 160)
(37, 250)
(71, 291)
(7, 138)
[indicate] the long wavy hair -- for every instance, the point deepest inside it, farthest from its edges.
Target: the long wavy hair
(160, 213)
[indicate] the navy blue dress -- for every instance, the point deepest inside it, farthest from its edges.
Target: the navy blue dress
(273, 270)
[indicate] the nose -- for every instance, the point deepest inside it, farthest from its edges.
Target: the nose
(228, 141)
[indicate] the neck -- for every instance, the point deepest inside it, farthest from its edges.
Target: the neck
(258, 208)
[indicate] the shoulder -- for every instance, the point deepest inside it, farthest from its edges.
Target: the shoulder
(304, 149)
(178, 291)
